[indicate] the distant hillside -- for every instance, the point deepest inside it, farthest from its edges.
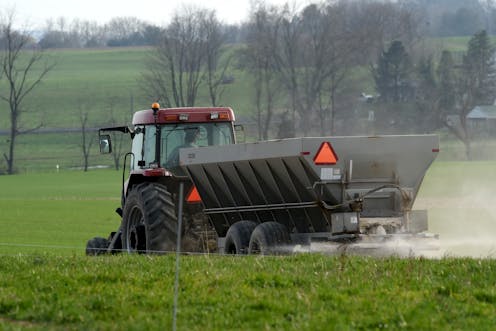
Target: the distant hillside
(96, 80)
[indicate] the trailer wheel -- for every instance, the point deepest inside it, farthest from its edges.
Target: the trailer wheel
(97, 246)
(238, 237)
(149, 222)
(269, 238)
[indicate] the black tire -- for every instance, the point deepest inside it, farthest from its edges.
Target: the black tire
(97, 246)
(269, 238)
(238, 237)
(149, 222)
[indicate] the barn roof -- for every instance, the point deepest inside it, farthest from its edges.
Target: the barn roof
(482, 112)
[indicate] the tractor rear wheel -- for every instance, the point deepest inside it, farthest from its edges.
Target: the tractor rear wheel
(269, 238)
(238, 237)
(149, 222)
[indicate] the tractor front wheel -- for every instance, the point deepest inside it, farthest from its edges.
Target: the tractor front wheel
(97, 246)
(149, 222)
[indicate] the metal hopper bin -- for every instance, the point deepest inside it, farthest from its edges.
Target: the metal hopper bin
(326, 188)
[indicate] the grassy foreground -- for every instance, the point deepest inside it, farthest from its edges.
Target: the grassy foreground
(305, 292)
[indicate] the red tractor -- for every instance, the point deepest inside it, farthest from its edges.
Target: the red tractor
(150, 193)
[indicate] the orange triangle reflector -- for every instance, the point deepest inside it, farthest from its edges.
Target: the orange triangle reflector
(193, 195)
(325, 155)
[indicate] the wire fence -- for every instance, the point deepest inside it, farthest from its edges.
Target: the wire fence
(43, 248)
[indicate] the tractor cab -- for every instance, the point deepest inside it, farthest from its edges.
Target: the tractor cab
(159, 133)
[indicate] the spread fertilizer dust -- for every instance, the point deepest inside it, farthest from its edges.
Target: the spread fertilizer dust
(461, 199)
(466, 226)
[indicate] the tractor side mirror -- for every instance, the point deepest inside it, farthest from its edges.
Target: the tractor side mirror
(239, 131)
(105, 144)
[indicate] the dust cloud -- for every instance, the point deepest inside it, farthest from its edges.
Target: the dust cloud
(460, 198)
(399, 247)
(466, 222)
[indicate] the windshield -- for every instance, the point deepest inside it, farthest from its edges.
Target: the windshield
(176, 136)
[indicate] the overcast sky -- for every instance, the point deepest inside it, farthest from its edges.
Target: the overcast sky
(36, 12)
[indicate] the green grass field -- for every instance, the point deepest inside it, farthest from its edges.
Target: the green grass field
(57, 209)
(305, 292)
(46, 282)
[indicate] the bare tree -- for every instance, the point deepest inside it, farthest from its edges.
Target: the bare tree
(476, 83)
(314, 50)
(90, 34)
(329, 47)
(287, 58)
(23, 70)
(377, 23)
(123, 27)
(345, 45)
(215, 39)
(176, 67)
(125, 31)
(86, 136)
(314, 31)
(260, 60)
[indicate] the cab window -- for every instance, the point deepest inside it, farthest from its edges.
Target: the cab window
(137, 147)
(149, 145)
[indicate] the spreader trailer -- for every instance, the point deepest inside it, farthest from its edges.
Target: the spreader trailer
(266, 197)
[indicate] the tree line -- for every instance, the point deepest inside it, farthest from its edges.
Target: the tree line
(436, 18)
